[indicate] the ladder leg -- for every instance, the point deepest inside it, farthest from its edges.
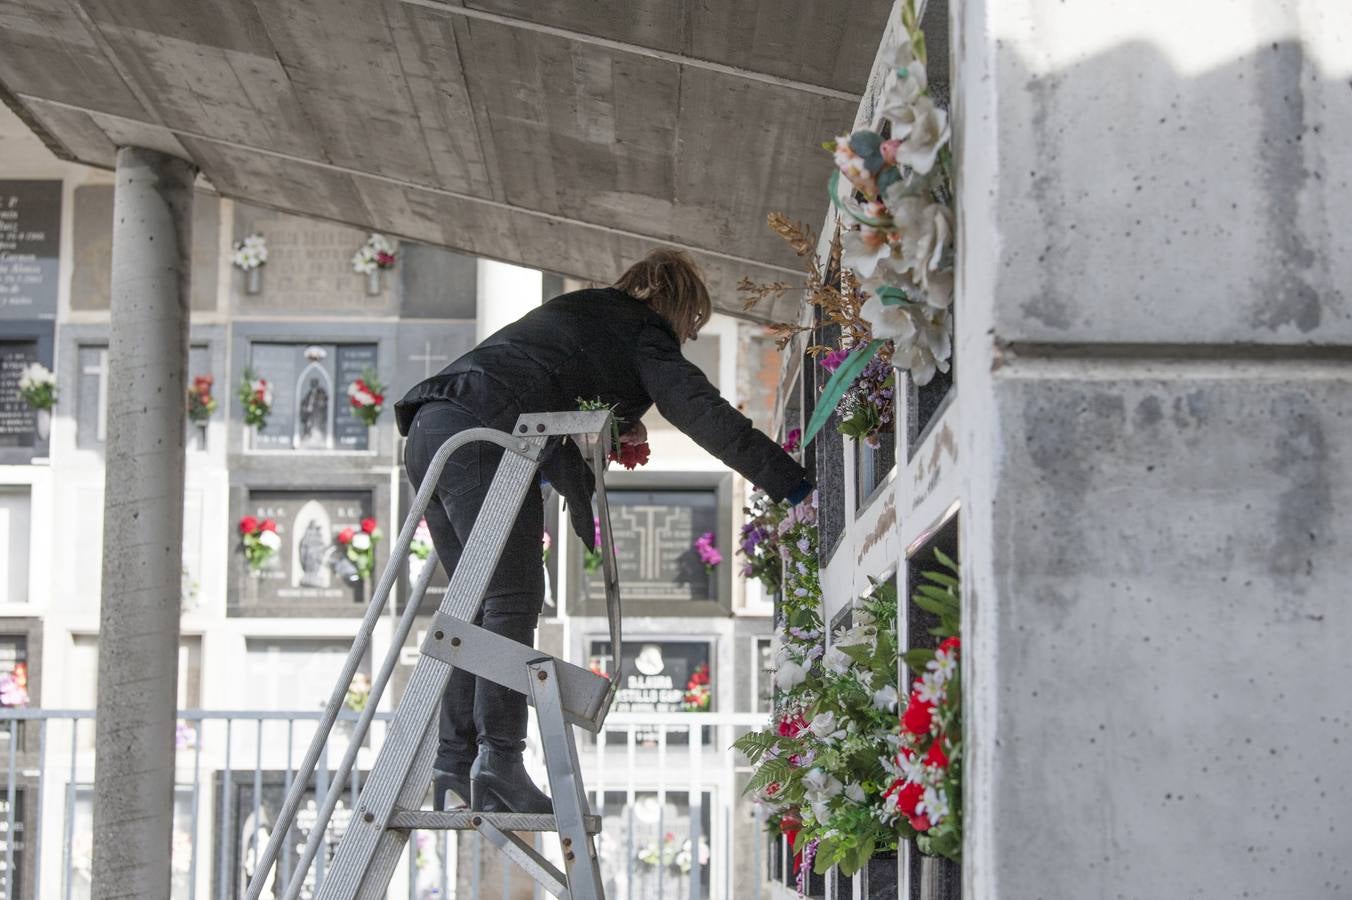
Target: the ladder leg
(581, 866)
(369, 852)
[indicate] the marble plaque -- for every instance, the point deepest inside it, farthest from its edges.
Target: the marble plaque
(654, 675)
(437, 283)
(18, 422)
(655, 533)
(30, 245)
(91, 280)
(425, 348)
(310, 408)
(309, 268)
(304, 576)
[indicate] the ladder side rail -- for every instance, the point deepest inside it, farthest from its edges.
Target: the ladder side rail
(375, 876)
(469, 582)
(610, 571)
(360, 643)
(344, 770)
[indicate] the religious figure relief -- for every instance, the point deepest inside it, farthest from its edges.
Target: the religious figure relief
(314, 396)
(308, 564)
(312, 422)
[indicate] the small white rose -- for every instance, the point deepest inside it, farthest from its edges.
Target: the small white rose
(837, 661)
(823, 725)
(789, 675)
(270, 539)
(361, 541)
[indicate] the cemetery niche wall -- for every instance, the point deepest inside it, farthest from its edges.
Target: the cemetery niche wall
(656, 520)
(309, 395)
(24, 433)
(30, 245)
(309, 574)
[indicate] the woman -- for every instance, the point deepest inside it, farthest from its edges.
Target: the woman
(620, 345)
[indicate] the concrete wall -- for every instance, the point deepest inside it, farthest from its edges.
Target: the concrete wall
(1153, 336)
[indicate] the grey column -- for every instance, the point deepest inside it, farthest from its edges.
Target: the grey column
(142, 526)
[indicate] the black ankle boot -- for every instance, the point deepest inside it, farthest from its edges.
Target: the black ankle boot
(501, 777)
(451, 791)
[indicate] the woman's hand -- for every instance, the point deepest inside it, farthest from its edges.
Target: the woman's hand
(637, 434)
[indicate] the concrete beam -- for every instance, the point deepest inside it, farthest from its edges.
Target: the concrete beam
(143, 526)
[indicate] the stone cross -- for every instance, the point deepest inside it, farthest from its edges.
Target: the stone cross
(427, 357)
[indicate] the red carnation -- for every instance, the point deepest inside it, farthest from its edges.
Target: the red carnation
(936, 755)
(909, 797)
(950, 644)
(918, 716)
(268, 525)
(379, 398)
(368, 525)
(632, 455)
(345, 536)
(248, 525)
(355, 402)
(384, 260)
(260, 395)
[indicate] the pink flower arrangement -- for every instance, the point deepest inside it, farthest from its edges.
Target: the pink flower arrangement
(708, 553)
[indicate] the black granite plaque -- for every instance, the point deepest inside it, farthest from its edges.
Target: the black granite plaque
(655, 533)
(250, 822)
(655, 677)
(18, 422)
(30, 244)
(303, 576)
(310, 409)
(351, 360)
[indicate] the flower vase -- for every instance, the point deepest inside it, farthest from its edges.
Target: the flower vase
(44, 424)
(940, 879)
(200, 430)
(253, 280)
(373, 283)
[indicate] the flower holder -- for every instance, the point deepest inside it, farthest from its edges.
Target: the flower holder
(940, 879)
(373, 283)
(253, 280)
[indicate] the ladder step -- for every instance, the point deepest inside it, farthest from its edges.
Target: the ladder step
(464, 820)
(585, 694)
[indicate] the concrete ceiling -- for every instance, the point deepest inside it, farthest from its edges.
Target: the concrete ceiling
(569, 136)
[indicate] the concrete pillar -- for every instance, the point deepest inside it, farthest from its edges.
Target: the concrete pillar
(506, 293)
(1154, 342)
(142, 526)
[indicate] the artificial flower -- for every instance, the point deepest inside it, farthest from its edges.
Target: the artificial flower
(923, 129)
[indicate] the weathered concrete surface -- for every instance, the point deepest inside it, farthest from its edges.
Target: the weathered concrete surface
(143, 526)
(568, 136)
(1155, 536)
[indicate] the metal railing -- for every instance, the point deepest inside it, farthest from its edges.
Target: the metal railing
(666, 785)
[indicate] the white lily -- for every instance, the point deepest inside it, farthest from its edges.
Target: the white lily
(886, 698)
(855, 793)
(823, 725)
(923, 128)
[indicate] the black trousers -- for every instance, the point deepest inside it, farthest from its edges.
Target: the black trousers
(476, 711)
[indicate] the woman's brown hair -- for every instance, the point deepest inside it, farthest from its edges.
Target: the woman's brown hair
(669, 283)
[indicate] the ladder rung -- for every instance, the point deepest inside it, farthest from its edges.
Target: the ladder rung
(464, 820)
(503, 661)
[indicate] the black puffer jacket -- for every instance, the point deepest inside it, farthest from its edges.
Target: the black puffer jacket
(601, 344)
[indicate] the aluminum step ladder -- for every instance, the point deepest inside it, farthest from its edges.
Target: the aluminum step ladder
(563, 695)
